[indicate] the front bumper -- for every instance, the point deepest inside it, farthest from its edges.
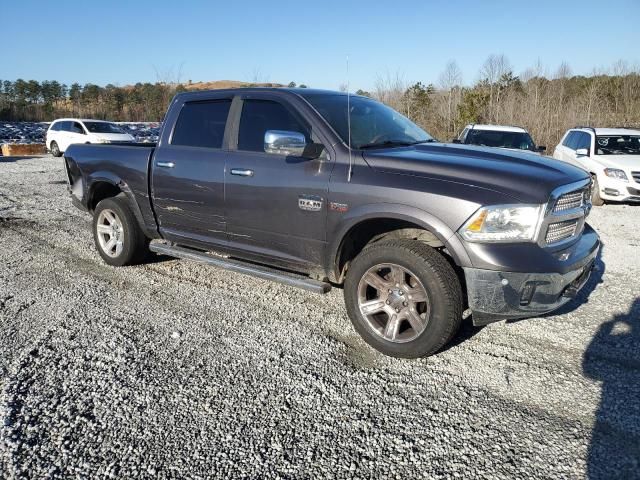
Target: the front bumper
(617, 190)
(498, 295)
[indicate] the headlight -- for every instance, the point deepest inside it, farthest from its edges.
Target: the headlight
(503, 223)
(616, 173)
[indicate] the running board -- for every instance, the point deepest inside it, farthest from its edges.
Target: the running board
(267, 273)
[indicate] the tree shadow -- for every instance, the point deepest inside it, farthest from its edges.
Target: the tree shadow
(613, 358)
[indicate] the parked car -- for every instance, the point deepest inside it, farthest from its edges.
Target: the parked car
(610, 155)
(67, 131)
(500, 136)
(405, 224)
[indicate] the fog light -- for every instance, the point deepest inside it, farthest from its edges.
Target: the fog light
(527, 293)
(611, 191)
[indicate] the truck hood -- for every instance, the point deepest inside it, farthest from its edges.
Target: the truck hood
(624, 162)
(527, 177)
(113, 137)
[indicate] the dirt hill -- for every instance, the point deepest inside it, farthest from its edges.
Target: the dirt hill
(220, 84)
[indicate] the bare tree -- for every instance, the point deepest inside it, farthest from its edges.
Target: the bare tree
(257, 76)
(494, 67)
(450, 81)
(389, 88)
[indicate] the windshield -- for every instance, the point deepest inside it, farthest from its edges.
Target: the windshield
(618, 145)
(494, 138)
(102, 127)
(373, 124)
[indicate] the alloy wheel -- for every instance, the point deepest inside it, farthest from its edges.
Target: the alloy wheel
(394, 302)
(110, 233)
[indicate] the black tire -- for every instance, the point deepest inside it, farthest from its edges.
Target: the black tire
(135, 245)
(55, 150)
(436, 276)
(596, 199)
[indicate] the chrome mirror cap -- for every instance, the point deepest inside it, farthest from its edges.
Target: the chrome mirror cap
(283, 142)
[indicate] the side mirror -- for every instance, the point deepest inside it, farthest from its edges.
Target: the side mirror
(283, 142)
(582, 152)
(542, 148)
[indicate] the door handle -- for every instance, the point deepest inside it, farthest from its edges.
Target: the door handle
(166, 164)
(242, 172)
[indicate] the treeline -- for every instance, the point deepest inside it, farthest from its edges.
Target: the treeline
(30, 100)
(545, 103)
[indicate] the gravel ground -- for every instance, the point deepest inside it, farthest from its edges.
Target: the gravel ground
(174, 369)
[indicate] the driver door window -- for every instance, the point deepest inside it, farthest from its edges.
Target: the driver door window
(259, 116)
(584, 141)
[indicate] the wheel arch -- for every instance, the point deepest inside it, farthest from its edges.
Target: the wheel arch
(108, 186)
(373, 222)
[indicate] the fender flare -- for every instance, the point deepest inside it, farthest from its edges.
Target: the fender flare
(114, 180)
(396, 211)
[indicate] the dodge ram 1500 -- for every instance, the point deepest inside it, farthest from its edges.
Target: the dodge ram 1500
(318, 189)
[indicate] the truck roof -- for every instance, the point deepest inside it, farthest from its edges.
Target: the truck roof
(80, 120)
(496, 128)
(296, 91)
(609, 131)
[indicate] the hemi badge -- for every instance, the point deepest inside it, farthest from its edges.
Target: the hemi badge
(310, 203)
(338, 207)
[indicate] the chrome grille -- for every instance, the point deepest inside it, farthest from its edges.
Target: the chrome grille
(636, 176)
(561, 231)
(571, 200)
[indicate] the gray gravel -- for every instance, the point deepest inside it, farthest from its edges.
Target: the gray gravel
(174, 369)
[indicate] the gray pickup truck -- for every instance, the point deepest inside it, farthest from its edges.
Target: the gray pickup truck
(316, 189)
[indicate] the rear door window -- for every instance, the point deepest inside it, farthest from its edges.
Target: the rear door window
(258, 116)
(202, 124)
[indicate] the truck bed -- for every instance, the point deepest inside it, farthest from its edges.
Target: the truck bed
(92, 166)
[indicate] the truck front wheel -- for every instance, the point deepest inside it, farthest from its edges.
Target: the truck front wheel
(116, 233)
(403, 298)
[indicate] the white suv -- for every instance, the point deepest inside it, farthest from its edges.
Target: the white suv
(500, 136)
(610, 155)
(65, 131)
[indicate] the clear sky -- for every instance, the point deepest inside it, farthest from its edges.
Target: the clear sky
(305, 41)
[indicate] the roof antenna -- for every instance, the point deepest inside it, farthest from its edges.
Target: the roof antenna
(350, 172)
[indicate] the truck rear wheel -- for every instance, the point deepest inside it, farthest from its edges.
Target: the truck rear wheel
(403, 298)
(116, 233)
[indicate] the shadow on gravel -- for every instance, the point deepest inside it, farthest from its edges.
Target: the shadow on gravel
(467, 331)
(15, 159)
(613, 358)
(154, 258)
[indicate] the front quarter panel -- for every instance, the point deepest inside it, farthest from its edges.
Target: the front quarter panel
(439, 206)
